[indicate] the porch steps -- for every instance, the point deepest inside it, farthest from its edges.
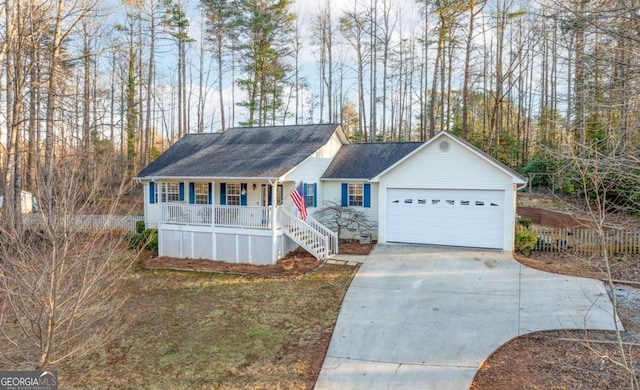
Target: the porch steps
(310, 235)
(309, 244)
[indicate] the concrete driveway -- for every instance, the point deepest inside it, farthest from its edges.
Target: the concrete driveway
(425, 317)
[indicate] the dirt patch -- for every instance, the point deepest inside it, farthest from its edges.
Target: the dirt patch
(623, 268)
(298, 262)
(556, 360)
(354, 247)
(572, 359)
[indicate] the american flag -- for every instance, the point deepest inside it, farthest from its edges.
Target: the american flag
(298, 199)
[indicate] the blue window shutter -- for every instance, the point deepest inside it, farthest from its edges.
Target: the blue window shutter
(367, 195)
(243, 194)
(152, 192)
(210, 193)
(181, 189)
(345, 194)
(223, 194)
(304, 193)
(192, 193)
(315, 194)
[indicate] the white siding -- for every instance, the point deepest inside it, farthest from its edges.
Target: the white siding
(230, 245)
(150, 210)
(332, 192)
(310, 170)
(457, 168)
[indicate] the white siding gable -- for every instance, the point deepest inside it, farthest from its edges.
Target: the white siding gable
(455, 167)
(311, 169)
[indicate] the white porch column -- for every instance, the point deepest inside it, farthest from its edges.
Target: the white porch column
(274, 219)
(214, 253)
(213, 203)
(160, 219)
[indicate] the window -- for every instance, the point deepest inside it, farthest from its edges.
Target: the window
(170, 192)
(233, 194)
(153, 193)
(310, 195)
(356, 194)
(202, 193)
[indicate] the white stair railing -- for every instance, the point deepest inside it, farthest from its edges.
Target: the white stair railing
(312, 240)
(333, 236)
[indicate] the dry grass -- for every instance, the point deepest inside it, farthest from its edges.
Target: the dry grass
(196, 330)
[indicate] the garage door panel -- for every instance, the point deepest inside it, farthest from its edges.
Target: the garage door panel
(472, 218)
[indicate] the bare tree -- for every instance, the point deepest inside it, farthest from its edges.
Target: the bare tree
(353, 28)
(346, 221)
(474, 9)
(600, 174)
(58, 283)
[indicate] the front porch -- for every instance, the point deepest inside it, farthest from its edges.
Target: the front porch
(233, 221)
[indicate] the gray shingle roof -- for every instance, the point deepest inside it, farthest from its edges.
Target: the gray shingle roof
(188, 145)
(365, 161)
(268, 152)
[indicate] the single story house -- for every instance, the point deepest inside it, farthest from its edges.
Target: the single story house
(225, 195)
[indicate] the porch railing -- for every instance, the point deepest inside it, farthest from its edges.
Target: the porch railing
(333, 236)
(255, 217)
(186, 214)
(228, 216)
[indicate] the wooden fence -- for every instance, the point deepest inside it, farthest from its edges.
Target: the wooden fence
(583, 241)
(124, 223)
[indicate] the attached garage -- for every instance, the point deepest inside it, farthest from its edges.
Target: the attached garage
(442, 192)
(472, 218)
(448, 192)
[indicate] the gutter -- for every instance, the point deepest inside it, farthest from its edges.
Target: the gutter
(199, 178)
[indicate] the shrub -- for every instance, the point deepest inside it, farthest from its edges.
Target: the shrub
(140, 226)
(144, 239)
(525, 222)
(568, 188)
(525, 241)
(152, 244)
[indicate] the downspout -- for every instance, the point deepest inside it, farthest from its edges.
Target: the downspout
(274, 219)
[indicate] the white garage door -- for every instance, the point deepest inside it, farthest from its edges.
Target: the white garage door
(472, 218)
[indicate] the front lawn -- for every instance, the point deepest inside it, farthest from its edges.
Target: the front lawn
(201, 330)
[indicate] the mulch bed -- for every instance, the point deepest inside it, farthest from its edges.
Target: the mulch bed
(298, 262)
(623, 268)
